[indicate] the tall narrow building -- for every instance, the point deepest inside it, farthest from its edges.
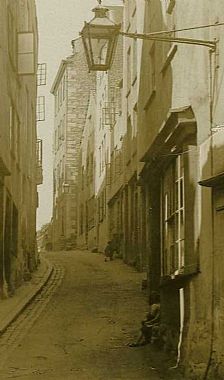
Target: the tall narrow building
(71, 90)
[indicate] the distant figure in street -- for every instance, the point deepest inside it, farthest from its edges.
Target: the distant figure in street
(150, 325)
(109, 251)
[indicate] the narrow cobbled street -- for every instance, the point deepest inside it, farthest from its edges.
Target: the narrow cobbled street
(80, 325)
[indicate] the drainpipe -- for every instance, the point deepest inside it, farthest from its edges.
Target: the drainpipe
(213, 228)
(181, 294)
(181, 298)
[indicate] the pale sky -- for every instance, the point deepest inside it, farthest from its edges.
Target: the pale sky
(59, 21)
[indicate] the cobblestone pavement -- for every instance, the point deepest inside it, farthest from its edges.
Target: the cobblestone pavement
(79, 326)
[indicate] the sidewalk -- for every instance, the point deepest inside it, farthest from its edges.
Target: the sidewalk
(11, 307)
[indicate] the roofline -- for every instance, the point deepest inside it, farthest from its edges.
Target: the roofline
(59, 74)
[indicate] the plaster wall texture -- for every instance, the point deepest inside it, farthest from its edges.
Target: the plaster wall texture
(183, 78)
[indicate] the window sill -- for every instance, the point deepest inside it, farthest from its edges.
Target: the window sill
(169, 58)
(180, 275)
(150, 99)
(128, 93)
(171, 6)
(134, 12)
(128, 27)
(134, 80)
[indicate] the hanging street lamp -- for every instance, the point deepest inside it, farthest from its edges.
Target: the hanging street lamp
(100, 37)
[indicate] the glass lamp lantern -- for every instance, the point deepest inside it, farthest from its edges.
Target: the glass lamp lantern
(99, 38)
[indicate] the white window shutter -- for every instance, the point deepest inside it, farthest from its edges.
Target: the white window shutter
(26, 59)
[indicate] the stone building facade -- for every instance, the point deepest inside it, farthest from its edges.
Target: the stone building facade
(18, 164)
(71, 91)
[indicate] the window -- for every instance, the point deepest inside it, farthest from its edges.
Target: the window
(170, 5)
(40, 108)
(39, 152)
(41, 74)
(116, 98)
(108, 113)
(26, 59)
(173, 224)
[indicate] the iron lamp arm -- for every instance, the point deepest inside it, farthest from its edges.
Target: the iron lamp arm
(181, 40)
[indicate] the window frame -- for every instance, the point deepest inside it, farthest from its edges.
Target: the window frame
(173, 218)
(40, 111)
(41, 74)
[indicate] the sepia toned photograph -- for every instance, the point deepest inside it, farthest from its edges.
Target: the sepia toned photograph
(112, 189)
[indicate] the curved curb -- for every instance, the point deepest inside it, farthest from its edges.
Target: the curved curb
(20, 307)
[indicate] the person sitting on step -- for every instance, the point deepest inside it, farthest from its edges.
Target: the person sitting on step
(150, 325)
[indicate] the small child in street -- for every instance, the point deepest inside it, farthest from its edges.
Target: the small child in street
(150, 325)
(109, 251)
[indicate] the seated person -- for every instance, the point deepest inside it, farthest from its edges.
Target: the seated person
(150, 325)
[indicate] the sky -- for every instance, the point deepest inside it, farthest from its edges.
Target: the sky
(59, 21)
